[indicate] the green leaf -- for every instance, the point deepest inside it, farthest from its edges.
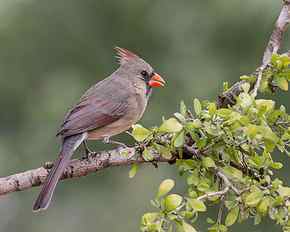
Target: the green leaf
(232, 216)
(187, 214)
(197, 106)
(274, 59)
(286, 135)
(180, 117)
(251, 131)
(248, 78)
(197, 205)
(179, 139)
(195, 124)
(284, 191)
(212, 129)
(276, 183)
(193, 179)
(182, 108)
(267, 104)
(171, 202)
(149, 218)
(201, 143)
(163, 151)
(208, 162)
(187, 227)
(147, 155)
(171, 126)
(203, 186)
(282, 83)
(212, 108)
(245, 100)
(269, 134)
(285, 60)
(224, 113)
(133, 170)
(165, 187)
(233, 173)
(254, 198)
(257, 219)
(140, 133)
(218, 228)
(276, 165)
(225, 86)
(263, 206)
(230, 204)
(210, 221)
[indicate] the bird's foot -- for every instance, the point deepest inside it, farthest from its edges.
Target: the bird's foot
(107, 140)
(129, 133)
(88, 151)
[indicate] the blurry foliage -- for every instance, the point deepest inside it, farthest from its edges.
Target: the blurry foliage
(232, 163)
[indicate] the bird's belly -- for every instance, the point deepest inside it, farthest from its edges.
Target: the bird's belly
(114, 128)
(136, 108)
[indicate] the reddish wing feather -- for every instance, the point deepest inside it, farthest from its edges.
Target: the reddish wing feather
(91, 116)
(101, 105)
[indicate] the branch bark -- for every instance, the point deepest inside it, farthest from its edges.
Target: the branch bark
(274, 43)
(228, 186)
(105, 159)
(77, 168)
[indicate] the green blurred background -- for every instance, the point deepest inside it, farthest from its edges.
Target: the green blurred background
(52, 51)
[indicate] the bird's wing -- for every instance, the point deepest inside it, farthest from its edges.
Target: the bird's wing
(96, 109)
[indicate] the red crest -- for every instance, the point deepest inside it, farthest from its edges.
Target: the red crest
(124, 55)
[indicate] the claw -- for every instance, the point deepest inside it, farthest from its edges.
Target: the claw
(88, 151)
(107, 140)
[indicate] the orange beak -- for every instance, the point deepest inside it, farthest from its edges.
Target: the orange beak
(156, 81)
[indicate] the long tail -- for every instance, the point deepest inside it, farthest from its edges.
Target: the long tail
(69, 145)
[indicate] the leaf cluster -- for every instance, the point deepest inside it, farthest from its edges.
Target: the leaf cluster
(226, 156)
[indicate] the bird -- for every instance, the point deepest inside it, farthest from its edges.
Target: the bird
(108, 108)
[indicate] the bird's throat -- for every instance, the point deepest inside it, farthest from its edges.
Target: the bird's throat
(148, 91)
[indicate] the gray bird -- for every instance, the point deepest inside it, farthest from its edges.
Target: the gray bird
(108, 108)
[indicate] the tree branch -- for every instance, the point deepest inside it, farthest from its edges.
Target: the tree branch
(274, 43)
(228, 186)
(76, 168)
(214, 194)
(273, 46)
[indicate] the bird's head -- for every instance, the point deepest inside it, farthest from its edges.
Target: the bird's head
(136, 67)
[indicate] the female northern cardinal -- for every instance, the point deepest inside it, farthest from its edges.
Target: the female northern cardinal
(108, 108)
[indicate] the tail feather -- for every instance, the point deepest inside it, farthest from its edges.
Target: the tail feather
(69, 145)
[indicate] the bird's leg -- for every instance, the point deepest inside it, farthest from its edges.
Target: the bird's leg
(108, 140)
(123, 147)
(88, 151)
(129, 133)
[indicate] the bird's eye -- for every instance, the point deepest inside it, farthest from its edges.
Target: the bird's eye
(144, 74)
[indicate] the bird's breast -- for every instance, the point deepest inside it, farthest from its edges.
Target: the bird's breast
(137, 103)
(141, 99)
